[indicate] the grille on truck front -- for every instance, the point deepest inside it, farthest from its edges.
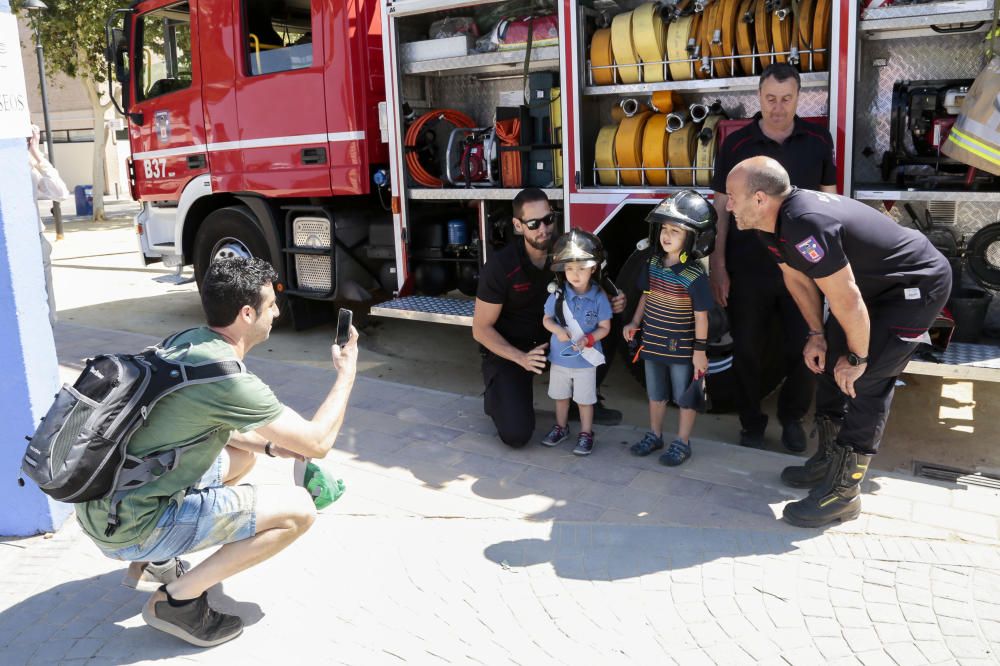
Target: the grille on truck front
(314, 271)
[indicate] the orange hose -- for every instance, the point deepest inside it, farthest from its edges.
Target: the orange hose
(509, 133)
(417, 171)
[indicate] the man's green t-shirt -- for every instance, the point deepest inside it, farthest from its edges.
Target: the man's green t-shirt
(242, 403)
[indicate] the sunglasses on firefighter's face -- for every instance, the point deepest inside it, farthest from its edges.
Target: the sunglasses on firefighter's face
(547, 220)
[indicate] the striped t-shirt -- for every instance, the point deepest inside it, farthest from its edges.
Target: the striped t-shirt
(673, 295)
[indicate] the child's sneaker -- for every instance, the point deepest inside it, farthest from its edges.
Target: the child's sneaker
(584, 444)
(555, 436)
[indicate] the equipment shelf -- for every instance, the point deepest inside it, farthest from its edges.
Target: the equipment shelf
(870, 194)
(498, 62)
(475, 193)
(733, 84)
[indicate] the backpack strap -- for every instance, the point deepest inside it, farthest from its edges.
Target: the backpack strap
(137, 472)
(168, 341)
(560, 299)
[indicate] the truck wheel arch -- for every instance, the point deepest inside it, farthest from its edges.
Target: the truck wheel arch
(260, 215)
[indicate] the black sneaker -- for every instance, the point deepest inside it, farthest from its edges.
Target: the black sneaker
(196, 622)
(793, 436)
(752, 440)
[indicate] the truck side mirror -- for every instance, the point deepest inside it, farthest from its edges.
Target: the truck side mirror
(116, 54)
(119, 54)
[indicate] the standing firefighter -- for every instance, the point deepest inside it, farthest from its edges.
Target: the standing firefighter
(885, 285)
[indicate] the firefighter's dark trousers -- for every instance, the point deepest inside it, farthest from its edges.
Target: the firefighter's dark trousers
(864, 416)
(509, 399)
(754, 302)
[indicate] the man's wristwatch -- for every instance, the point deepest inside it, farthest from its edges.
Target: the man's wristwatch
(856, 360)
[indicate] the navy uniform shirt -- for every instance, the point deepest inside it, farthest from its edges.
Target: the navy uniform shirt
(807, 155)
(894, 267)
(511, 280)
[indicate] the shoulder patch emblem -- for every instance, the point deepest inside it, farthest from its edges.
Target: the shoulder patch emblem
(811, 250)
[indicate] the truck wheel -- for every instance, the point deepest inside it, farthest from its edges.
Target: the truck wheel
(227, 232)
(233, 232)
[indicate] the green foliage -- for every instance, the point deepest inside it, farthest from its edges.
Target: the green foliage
(72, 34)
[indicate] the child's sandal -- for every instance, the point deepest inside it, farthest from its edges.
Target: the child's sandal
(647, 445)
(677, 453)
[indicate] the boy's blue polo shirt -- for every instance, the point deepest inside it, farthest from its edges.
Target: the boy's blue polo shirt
(589, 310)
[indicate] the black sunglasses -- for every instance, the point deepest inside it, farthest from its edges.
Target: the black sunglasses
(548, 220)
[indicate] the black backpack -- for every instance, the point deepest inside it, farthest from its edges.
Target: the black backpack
(78, 453)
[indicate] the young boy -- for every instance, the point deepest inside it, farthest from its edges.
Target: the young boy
(673, 313)
(578, 314)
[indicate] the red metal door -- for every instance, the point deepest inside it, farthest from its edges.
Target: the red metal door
(280, 99)
(167, 131)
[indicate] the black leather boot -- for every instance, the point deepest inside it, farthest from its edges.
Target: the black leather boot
(811, 473)
(838, 497)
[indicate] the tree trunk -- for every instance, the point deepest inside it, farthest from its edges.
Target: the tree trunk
(101, 135)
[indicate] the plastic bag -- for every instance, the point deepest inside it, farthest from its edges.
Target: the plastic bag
(453, 27)
(511, 33)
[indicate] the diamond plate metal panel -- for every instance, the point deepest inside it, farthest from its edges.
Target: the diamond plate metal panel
(983, 356)
(428, 308)
(474, 96)
(945, 57)
(969, 217)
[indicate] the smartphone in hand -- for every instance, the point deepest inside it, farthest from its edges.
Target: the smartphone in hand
(344, 319)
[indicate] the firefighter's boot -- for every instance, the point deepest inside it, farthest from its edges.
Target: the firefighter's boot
(811, 473)
(838, 497)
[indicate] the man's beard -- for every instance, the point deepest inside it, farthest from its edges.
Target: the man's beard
(541, 245)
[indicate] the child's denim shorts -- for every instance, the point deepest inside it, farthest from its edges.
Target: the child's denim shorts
(211, 514)
(663, 379)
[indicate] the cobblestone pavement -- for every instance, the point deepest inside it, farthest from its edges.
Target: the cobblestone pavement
(449, 548)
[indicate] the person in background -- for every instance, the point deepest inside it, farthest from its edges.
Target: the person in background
(743, 277)
(578, 314)
(673, 315)
(47, 185)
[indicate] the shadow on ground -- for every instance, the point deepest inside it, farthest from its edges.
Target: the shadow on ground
(98, 617)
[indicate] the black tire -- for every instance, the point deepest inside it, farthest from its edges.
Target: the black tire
(232, 231)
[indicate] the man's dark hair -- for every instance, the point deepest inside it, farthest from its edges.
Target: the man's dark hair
(780, 71)
(230, 284)
(526, 196)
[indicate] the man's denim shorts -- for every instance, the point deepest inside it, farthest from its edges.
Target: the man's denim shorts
(664, 377)
(210, 515)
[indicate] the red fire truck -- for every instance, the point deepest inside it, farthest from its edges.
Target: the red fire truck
(364, 148)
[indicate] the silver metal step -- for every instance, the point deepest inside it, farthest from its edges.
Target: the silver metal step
(962, 360)
(436, 309)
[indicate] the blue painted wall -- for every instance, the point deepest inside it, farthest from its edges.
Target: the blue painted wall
(29, 372)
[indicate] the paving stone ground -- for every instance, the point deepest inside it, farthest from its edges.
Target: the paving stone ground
(450, 548)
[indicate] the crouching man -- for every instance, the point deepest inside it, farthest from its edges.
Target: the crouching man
(198, 503)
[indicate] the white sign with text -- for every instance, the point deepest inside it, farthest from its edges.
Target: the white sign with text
(15, 120)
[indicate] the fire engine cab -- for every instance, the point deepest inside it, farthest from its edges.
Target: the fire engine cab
(372, 148)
